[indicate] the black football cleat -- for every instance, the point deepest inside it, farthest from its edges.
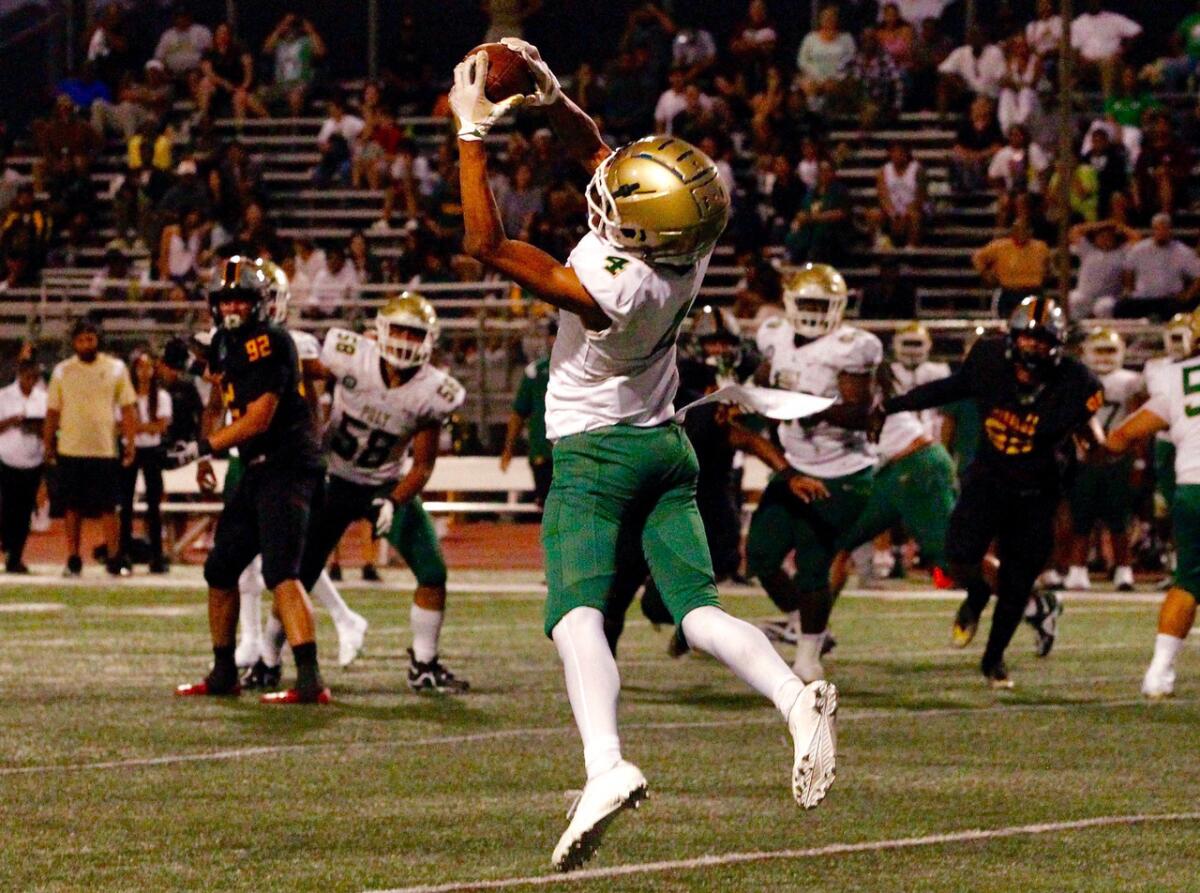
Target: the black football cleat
(432, 676)
(260, 677)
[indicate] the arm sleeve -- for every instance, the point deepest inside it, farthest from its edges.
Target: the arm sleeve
(613, 281)
(125, 395)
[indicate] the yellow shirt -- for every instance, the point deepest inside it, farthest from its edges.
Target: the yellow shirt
(1015, 266)
(87, 395)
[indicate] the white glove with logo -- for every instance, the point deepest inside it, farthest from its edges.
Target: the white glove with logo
(186, 452)
(475, 112)
(548, 89)
(385, 510)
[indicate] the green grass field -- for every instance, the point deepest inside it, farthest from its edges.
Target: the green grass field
(111, 783)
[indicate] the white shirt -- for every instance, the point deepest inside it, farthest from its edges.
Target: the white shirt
(1008, 163)
(916, 11)
(330, 290)
(18, 447)
(1099, 271)
(1174, 400)
(625, 374)
(145, 440)
(312, 265)
(1161, 271)
(669, 105)
(1099, 36)
(350, 126)
(822, 450)
(902, 187)
(1044, 35)
(181, 51)
(983, 74)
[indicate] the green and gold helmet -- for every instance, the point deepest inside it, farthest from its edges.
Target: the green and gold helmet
(1104, 351)
(814, 299)
(406, 329)
(912, 345)
(659, 198)
(278, 293)
(1179, 336)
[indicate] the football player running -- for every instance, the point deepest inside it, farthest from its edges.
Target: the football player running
(656, 209)
(388, 399)
(254, 363)
(1103, 491)
(1173, 408)
(810, 350)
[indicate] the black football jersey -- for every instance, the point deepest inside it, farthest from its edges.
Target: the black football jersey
(257, 360)
(1022, 434)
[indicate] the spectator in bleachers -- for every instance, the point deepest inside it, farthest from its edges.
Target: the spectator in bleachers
(585, 89)
(978, 139)
(72, 191)
(976, 68)
(650, 29)
(521, 202)
(154, 412)
(10, 179)
(701, 116)
(1101, 39)
(918, 11)
(71, 242)
(22, 415)
(875, 84)
(820, 232)
(117, 266)
(335, 285)
(1161, 275)
(893, 295)
(366, 264)
(1016, 265)
(296, 48)
(181, 248)
(183, 45)
(108, 46)
(85, 88)
(310, 259)
(506, 17)
(767, 110)
(1018, 173)
(1111, 163)
(784, 199)
(897, 36)
(139, 105)
(241, 171)
(1163, 167)
(63, 131)
(227, 79)
(299, 285)
(1083, 205)
(1044, 33)
(375, 149)
(256, 236)
(931, 49)
(693, 50)
(24, 237)
(187, 407)
(901, 192)
(1101, 249)
(188, 192)
(754, 42)
(1019, 102)
(334, 140)
(86, 393)
(670, 102)
(824, 56)
(632, 92)
(1128, 104)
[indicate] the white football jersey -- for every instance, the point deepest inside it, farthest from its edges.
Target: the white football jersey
(625, 374)
(1120, 386)
(307, 345)
(822, 450)
(1153, 374)
(1176, 400)
(906, 379)
(370, 424)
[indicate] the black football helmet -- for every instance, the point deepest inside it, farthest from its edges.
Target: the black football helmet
(1039, 318)
(244, 279)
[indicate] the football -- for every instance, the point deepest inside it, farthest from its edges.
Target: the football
(507, 74)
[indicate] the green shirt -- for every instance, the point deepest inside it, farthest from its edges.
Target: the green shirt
(295, 60)
(1189, 30)
(967, 430)
(531, 403)
(1128, 110)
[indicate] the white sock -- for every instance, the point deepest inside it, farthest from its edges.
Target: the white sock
(273, 641)
(745, 650)
(250, 590)
(593, 686)
(331, 600)
(1166, 648)
(426, 627)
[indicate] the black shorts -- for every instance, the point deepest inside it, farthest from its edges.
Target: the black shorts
(270, 511)
(345, 503)
(89, 486)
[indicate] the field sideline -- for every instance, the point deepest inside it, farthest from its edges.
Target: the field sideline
(1068, 783)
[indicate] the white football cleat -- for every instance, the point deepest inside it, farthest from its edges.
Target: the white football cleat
(247, 652)
(813, 724)
(1123, 578)
(1077, 579)
(1050, 579)
(603, 797)
(1159, 682)
(350, 639)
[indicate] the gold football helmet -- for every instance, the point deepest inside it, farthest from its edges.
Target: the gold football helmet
(1179, 337)
(278, 292)
(413, 316)
(659, 198)
(814, 299)
(1104, 351)
(912, 345)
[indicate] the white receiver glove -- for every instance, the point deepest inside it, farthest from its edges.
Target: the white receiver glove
(385, 510)
(548, 89)
(475, 112)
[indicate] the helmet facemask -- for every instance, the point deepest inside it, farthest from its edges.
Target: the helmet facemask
(813, 316)
(240, 279)
(406, 330)
(912, 347)
(1104, 353)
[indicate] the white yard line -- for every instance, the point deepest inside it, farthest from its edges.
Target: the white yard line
(716, 860)
(766, 718)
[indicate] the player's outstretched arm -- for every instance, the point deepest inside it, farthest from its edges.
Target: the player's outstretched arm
(951, 389)
(1139, 427)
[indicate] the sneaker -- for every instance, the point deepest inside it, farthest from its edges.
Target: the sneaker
(813, 724)
(209, 687)
(432, 676)
(297, 696)
(350, 639)
(370, 573)
(1159, 682)
(1077, 579)
(779, 631)
(74, 567)
(1044, 620)
(118, 567)
(1050, 579)
(159, 565)
(262, 677)
(997, 677)
(1123, 577)
(966, 623)
(603, 797)
(248, 651)
(16, 568)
